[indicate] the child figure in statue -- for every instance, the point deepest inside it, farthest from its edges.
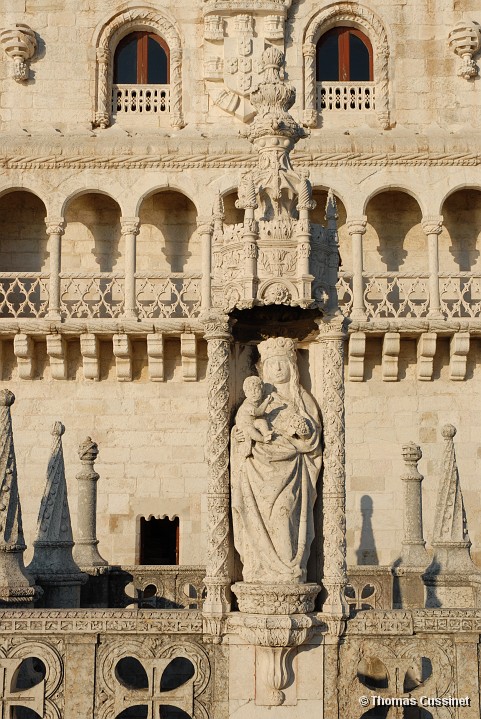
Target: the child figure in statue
(250, 416)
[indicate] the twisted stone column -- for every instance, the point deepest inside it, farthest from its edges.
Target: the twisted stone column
(85, 552)
(310, 109)
(102, 116)
(433, 226)
(331, 338)
(130, 228)
(55, 230)
(217, 581)
(176, 115)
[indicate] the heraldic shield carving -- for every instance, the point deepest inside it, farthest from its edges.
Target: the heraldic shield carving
(232, 60)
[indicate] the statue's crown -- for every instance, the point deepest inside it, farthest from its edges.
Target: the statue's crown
(275, 346)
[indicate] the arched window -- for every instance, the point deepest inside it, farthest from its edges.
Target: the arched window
(344, 54)
(141, 58)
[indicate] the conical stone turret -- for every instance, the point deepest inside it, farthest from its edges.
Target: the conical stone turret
(16, 586)
(52, 564)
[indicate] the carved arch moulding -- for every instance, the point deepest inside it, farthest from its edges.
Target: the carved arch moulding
(107, 39)
(355, 15)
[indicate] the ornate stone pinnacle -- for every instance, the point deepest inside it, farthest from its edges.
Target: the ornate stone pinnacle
(250, 200)
(411, 453)
(7, 398)
(304, 201)
(331, 206)
(85, 552)
(88, 451)
(449, 431)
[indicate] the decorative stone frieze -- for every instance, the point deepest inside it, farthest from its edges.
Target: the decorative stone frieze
(20, 44)
(16, 586)
(85, 552)
(465, 40)
(52, 564)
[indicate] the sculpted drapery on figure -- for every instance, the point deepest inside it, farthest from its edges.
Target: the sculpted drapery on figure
(274, 478)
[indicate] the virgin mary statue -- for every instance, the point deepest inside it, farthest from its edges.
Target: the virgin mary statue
(275, 465)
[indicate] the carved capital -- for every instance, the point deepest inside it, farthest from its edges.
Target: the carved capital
(433, 225)
(102, 120)
(55, 225)
(129, 225)
(205, 225)
(217, 326)
(309, 50)
(357, 227)
(332, 328)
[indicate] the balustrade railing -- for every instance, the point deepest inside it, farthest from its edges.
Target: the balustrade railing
(343, 96)
(140, 99)
(93, 296)
(24, 294)
(396, 295)
(460, 294)
(167, 296)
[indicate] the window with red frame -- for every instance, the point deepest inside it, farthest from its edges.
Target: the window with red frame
(344, 54)
(141, 58)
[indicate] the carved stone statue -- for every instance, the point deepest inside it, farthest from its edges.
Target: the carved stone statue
(274, 482)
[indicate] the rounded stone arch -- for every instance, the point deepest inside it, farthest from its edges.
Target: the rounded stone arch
(31, 189)
(107, 37)
(166, 187)
(349, 14)
(394, 187)
(460, 239)
(465, 185)
(23, 231)
(87, 190)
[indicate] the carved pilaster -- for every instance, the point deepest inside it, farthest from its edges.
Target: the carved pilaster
(176, 116)
(217, 581)
(310, 110)
(331, 337)
(102, 115)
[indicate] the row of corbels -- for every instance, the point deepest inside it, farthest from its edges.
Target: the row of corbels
(24, 350)
(426, 351)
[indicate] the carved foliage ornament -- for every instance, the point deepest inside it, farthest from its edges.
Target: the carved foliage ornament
(109, 36)
(359, 16)
(20, 45)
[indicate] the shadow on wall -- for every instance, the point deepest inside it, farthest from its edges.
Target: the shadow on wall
(367, 552)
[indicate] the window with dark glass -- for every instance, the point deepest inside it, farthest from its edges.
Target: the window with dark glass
(159, 541)
(141, 58)
(344, 54)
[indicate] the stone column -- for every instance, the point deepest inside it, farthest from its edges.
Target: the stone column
(218, 580)
(176, 115)
(130, 228)
(332, 335)
(310, 99)
(249, 236)
(332, 269)
(55, 230)
(357, 229)
(85, 552)
(413, 553)
(205, 228)
(102, 116)
(433, 227)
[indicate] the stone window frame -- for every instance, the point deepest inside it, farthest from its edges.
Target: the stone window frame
(357, 16)
(108, 38)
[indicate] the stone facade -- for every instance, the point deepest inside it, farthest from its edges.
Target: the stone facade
(152, 237)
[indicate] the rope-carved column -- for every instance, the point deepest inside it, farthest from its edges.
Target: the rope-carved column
(176, 116)
(331, 338)
(102, 116)
(310, 105)
(382, 87)
(217, 581)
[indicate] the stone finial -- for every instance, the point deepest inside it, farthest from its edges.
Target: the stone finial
(16, 586)
(20, 45)
(52, 564)
(465, 40)
(250, 201)
(85, 552)
(413, 553)
(331, 207)
(305, 201)
(450, 536)
(218, 211)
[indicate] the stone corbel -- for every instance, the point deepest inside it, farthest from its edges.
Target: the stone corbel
(90, 351)
(23, 348)
(391, 347)
(57, 352)
(458, 351)
(188, 351)
(155, 353)
(122, 347)
(20, 45)
(357, 352)
(426, 350)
